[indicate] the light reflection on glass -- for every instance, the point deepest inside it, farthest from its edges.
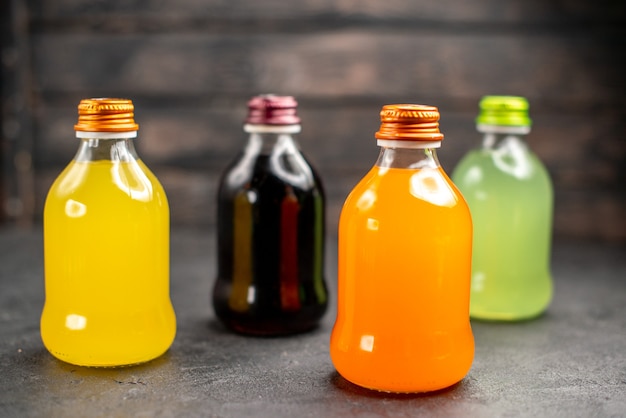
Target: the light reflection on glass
(285, 154)
(372, 224)
(252, 196)
(75, 322)
(251, 295)
(367, 343)
(366, 201)
(474, 175)
(510, 157)
(243, 170)
(75, 173)
(429, 185)
(478, 281)
(75, 209)
(481, 195)
(131, 179)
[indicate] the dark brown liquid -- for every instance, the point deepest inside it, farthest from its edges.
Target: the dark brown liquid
(270, 247)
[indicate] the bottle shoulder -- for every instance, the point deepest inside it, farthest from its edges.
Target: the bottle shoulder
(94, 180)
(485, 166)
(405, 187)
(259, 170)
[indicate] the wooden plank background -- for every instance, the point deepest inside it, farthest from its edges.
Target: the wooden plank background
(190, 66)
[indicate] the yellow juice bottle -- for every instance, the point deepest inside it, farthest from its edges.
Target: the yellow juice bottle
(106, 248)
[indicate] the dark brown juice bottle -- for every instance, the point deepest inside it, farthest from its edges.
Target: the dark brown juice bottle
(270, 273)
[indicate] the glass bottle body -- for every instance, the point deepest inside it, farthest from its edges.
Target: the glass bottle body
(510, 196)
(270, 238)
(106, 250)
(405, 237)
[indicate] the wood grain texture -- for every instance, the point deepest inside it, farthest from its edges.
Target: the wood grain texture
(329, 65)
(190, 67)
(516, 11)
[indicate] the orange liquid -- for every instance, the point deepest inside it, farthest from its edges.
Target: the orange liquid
(404, 281)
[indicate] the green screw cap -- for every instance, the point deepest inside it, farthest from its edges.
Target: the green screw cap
(504, 111)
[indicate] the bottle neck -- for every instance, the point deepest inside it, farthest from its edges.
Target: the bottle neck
(265, 139)
(278, 146)
(508, 150)
(504, 142)
(104, 146)
(399, 156)
(503, 137)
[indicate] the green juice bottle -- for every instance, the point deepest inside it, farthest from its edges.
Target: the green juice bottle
(510, 196)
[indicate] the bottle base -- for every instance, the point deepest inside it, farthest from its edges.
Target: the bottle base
(106, 365)
(100, 353)
(268, 323)
(402, 391)
(489, 316)
(266, 329)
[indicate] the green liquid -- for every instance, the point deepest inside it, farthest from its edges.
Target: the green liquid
(510, 197)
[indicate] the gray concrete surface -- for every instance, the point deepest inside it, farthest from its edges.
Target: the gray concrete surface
(569, 363)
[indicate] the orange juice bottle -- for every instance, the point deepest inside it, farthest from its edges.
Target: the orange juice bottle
(106, 248)
(405, 238)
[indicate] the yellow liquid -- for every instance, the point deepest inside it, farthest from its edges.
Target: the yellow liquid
(106, 249)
